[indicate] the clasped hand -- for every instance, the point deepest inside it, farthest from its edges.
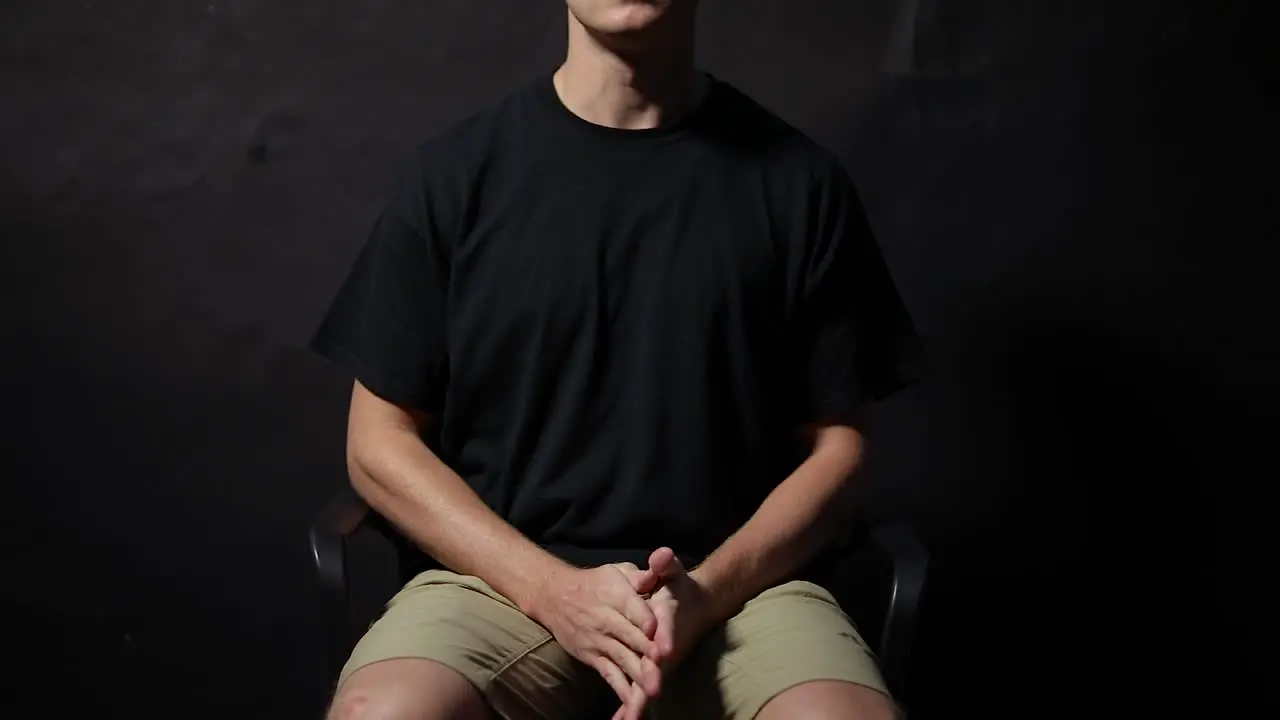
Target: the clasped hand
(627, 624)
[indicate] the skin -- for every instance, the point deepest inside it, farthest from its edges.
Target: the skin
(798, 519)
(629, 65)
(594, 613)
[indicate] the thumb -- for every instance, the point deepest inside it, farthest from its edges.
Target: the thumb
(644, 582)
(664, 562)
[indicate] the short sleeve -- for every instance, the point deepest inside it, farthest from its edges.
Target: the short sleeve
(856, 341)
(387, 324)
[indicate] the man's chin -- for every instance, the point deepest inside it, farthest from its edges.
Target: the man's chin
(635, 21)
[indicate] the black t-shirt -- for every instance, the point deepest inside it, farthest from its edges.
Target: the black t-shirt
(622, 330)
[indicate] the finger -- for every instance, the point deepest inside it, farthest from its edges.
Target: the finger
(640, 615)
(643, 674)
(651, 669)
(664, 636)
(628, 569)
(623, 657)
(614, 676)
(624, 710)
(664, 562)
(644, 582)
(634, 710)
(623, 628)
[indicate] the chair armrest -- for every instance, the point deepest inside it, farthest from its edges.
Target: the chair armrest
(910, 560)
(340, 518)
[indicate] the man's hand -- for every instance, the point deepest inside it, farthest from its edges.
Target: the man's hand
(680, 606)
(599, 618)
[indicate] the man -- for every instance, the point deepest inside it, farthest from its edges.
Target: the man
(640, 311)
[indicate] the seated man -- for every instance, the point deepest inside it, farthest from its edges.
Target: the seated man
(641, 311)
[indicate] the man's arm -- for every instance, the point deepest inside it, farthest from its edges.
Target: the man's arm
(804, 514)
(855, 345)
(595, 614)
(400, 477)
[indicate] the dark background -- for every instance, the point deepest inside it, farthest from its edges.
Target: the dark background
(1062, 191)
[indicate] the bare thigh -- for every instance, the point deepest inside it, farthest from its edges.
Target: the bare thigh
(450, 646)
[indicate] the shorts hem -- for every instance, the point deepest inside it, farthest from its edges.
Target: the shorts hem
(756, 707)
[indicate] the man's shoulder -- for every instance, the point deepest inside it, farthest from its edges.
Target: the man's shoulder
(783, 145)
(464, 142)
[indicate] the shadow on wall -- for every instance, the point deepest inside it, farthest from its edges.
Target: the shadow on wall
(1019, 202)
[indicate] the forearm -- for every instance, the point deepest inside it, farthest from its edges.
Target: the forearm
(403, 480)
(800, 518)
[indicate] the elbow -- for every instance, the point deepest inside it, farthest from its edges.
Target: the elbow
(841, 452)
(355, 461)
(840, 449)
(377, 431)
(360, 471)
(381, 457)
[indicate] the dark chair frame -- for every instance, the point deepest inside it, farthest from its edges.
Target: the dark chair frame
(897, 546)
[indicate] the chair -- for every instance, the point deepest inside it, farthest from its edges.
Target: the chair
(879, 580)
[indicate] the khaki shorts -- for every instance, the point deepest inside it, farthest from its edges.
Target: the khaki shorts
(791, 634)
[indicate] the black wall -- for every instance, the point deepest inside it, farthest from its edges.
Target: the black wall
(183, 185)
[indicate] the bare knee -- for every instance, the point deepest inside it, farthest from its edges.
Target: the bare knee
(830, 700)
(407, 689)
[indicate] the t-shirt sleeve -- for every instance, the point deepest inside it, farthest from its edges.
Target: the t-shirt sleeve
(386, 326)
(856, 340)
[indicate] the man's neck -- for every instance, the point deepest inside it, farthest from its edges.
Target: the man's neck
(634, 90)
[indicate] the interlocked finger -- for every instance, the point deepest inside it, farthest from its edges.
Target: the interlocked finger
(614, 676)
